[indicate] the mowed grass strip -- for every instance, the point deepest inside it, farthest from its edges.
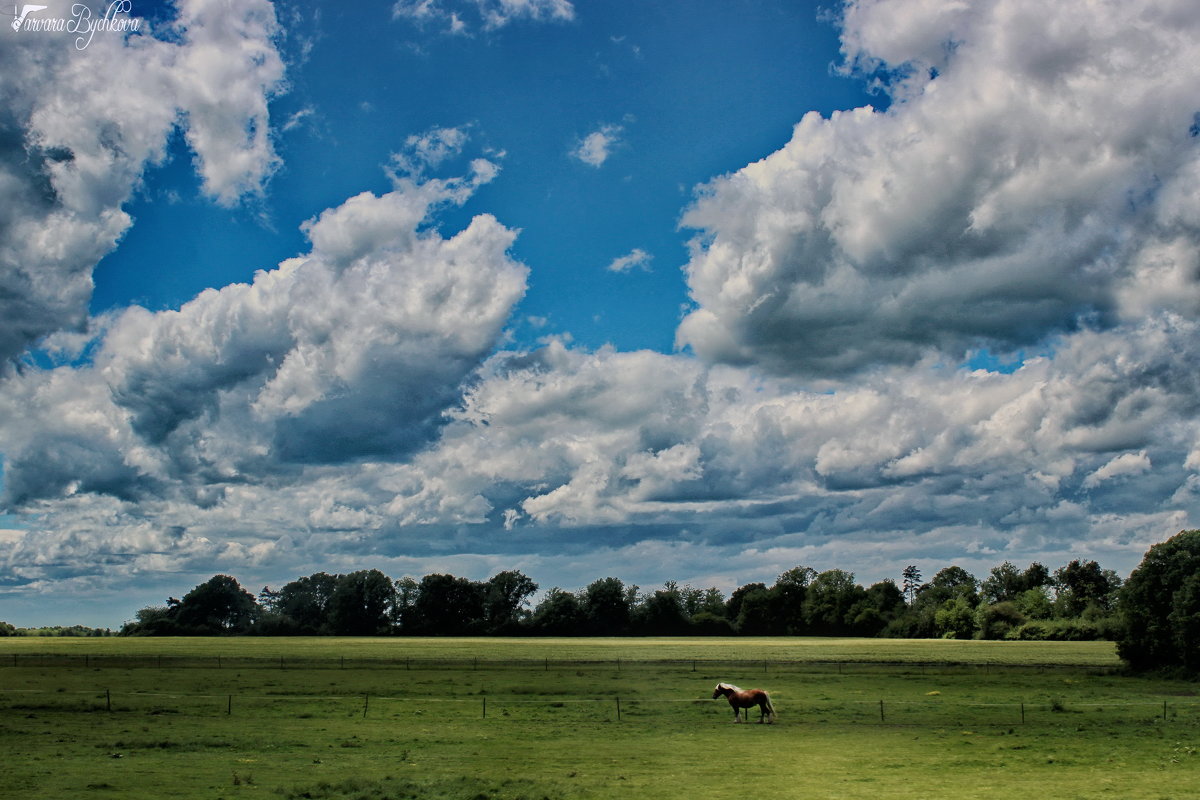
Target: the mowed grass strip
(1098, 655)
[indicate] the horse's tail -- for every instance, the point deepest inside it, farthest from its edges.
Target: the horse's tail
(769, 705)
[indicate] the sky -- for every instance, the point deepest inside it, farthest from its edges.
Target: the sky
(692, 291)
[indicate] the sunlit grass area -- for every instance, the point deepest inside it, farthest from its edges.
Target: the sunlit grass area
(804, 649)
(930, 719)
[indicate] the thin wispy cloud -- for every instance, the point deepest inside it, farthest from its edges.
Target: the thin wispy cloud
(635, 259)
(451, 16)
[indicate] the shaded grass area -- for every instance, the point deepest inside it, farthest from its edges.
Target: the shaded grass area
(521, 732)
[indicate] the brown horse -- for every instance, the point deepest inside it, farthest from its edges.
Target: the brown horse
(747, 699)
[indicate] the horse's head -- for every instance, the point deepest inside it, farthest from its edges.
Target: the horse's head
(722, 689)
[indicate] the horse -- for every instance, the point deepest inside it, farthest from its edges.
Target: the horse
(747, 699)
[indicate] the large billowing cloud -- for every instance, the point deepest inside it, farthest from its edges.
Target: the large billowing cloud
(1034, 172)
(78, 127)
(554, 455)
(353, 350)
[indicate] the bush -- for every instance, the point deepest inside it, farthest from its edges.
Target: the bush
(955, 619)
(996, 621)
(1064, 630)
(706, 623)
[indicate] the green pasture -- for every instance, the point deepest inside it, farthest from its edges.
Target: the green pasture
(766, 648)
(471, 718)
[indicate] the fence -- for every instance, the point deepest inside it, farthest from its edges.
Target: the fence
(570, 709)
(379, 694)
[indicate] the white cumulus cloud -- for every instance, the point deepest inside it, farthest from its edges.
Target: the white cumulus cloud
(78, 127)
(1034, 172)
(595, 148)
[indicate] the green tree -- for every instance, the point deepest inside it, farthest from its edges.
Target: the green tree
(560, 613)
(828, 601)
(1160, 604)
(696, 601)
(920, 621)
(448, 605)
(153, 621)
(7, 629)
(733, 607)
(506, 592)
(787, 600)
(955, 582)
(305, 601)
(662, 614)
(606, 606)
(407, 590)
(1082, 584)
(912, 582)
(1035, 576)
(1003, 584)
(882, 603)
(361, 604)
(218, 606)
(1035, 603)
(755, 614)
(955, 619)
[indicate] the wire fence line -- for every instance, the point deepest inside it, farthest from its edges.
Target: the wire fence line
(893, 711)
(751, 665)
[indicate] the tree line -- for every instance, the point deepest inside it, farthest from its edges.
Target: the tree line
(1077, 601)
(8, 629)
(1154, 616)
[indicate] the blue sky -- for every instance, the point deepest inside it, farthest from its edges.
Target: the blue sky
(665, 291)
(685, 91)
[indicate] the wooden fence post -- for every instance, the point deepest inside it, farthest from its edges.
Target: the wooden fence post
(881, 711)
(618, 709)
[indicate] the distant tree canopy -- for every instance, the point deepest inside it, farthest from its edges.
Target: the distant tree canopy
(8, 629)
(1155, 616)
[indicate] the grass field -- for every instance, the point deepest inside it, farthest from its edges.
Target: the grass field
(857, 719)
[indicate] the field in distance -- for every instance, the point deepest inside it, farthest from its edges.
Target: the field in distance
(766, 648)
(891, 724)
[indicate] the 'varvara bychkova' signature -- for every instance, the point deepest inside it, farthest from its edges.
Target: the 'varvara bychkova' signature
(82, 21)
